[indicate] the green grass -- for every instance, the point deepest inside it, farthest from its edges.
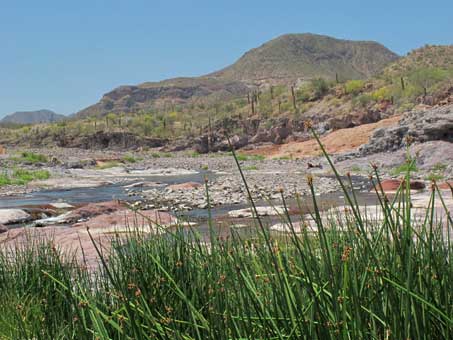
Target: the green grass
(31, 157)
(130, 159)
(353, 278)
(22, 177)
(434, 176)
(250, 168)
(403, 168)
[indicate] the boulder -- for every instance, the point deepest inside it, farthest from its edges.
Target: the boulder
(392, 185)
(79, 163)
(121, 220)
(262, 211)
(279, 134)
(13, 216)
(239, 141)
(434, 124)
(77, 243)
(201, 144)
(261, 137)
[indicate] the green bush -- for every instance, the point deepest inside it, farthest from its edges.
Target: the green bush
(363, 100)
(384, 93)
(22, 177)
(354, 87)
(31, 157)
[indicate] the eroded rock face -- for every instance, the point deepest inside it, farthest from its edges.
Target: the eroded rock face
(12, 216)
(421, 126)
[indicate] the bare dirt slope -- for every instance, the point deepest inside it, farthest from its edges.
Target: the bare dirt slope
(339, 141)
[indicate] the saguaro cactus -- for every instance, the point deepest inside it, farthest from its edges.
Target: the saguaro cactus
(293, 95)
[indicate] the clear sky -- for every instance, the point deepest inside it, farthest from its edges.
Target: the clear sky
(63, 55)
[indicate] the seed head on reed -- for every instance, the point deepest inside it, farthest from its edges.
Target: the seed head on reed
(308, 124)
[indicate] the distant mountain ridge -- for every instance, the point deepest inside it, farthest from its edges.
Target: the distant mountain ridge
(283, 60)
(293, 56)
(32, 117)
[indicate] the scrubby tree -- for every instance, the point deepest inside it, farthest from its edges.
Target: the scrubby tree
(425, 78)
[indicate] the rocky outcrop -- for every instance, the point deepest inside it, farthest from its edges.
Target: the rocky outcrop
(418, 126)
(105, 228)
(112, 140)
(3, 229)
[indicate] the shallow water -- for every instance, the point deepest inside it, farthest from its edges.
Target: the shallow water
(96, 194)
(104, 193)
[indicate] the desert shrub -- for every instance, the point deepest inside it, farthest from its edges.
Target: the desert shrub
(383, 93)
(32, 157)
(425, 78)
(354, 87)
(363, 100)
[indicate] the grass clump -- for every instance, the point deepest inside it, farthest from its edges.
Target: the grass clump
(130, 159)
(31, 157)
(22, 177)
(403, 168)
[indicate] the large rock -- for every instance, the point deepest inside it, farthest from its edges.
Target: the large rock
(104, 229)
(392, 185)
(279, 134)
(419, 125)
(13, 216)
(124, 220)
(92, 210)
(261, 211)
(261, 137)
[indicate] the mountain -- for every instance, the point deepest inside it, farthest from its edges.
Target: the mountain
(282, 60)
(307, 56)
(32, 117)
(429, 56)
(165, 93)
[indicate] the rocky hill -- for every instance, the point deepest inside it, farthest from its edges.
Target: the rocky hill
(294, 56)
(281, 61)
(165, 93)
(32, 117)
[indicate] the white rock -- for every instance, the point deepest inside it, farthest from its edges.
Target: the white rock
(261, 211)
(61, 205)
(10, 216)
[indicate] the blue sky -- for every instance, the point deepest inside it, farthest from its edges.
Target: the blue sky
(63, 55)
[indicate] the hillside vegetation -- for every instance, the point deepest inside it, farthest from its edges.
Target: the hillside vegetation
(423, 77)
(284, 60)
(306, 56)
